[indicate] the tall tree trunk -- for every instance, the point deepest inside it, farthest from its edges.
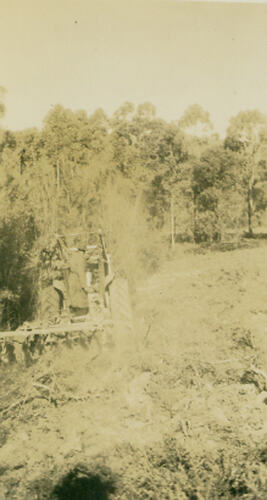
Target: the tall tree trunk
(172, 223)
(250, 210)
(194, 215)
(58, 176)
(254, 160)
(250, 200)
(58, 182)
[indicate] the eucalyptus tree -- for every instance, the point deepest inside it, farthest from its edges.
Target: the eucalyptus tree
(197, 129)
(247, 136)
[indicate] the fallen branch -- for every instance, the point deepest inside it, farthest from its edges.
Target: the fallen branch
(24, 401)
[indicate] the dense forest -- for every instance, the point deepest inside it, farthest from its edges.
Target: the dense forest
(137, 176)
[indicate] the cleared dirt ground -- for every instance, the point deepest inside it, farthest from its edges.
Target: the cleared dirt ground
(172, 414)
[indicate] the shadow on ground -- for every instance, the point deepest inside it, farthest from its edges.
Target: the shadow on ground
(81, 484)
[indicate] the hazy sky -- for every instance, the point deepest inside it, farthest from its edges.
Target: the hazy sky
(87, 54)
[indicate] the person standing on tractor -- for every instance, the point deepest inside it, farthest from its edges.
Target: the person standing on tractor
(77, 286)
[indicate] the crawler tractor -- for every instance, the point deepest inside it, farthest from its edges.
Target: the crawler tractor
(80, 299)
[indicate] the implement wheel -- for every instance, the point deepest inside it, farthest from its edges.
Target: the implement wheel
(50, 303)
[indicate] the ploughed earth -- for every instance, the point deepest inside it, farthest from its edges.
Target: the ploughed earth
(179, 411)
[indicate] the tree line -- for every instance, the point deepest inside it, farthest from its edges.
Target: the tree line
(186, 182)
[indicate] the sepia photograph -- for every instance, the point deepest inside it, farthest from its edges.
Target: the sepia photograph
(133, 250)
